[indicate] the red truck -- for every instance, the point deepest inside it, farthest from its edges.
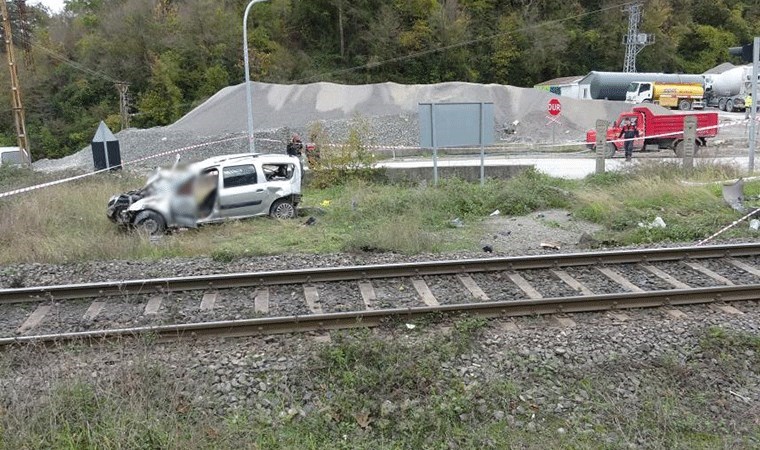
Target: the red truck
(662, 130)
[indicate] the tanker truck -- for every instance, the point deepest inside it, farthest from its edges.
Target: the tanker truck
(614, 85)
(684, 96)
(728, 90)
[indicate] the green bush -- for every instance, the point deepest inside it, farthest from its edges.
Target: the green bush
(339, 164)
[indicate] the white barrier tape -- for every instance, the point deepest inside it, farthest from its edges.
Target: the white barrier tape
(375, 147)
(541, 145)
(48, 184)
(723, 182)
(728, 227)
(77, 177)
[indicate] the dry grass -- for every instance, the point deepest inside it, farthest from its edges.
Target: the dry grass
(68, 223)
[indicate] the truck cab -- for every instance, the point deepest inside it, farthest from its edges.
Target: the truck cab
(639, 92)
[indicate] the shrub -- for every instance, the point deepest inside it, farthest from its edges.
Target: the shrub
(348, 161)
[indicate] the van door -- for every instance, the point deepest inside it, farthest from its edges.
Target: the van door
(241, 193)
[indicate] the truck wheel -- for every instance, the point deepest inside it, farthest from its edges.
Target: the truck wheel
(722, 104)
(609, 150)
(730, 105)
(282, 209)
(684, 105)
(150, 222)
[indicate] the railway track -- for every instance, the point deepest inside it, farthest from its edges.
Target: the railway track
(328, 298)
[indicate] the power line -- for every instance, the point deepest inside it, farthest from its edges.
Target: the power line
(413, 55)
(121, 86)
(74, 64)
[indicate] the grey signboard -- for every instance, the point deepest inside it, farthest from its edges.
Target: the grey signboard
(455, 124)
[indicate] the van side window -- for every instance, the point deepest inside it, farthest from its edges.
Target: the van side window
(239, 175)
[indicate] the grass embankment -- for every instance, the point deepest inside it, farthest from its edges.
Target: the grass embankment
(367, 392)
(68, 223)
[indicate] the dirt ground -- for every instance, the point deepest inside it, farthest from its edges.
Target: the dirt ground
(556, 228)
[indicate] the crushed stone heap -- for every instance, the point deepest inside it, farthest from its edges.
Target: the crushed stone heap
(388, 109)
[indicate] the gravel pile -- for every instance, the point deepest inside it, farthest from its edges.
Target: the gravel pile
(389, 109)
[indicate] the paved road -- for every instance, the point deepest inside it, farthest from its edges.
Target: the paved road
(561, 167)
(580, 164)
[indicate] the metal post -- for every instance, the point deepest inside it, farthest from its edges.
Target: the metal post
(601, 144)
(435, 147)
(755, 104)
(554, 141)
(248, 99)
(482, 149)
(689, 139)
(123, 104)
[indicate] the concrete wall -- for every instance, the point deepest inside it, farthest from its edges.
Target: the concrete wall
(469, 173)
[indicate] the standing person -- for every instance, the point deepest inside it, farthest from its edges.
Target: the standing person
(295, 146)
(295, 149)
(747, 105)
(629, 132)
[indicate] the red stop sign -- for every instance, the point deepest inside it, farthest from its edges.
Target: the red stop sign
(555, 107)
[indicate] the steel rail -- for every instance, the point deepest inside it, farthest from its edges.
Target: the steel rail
(366, 318)
(349, 273)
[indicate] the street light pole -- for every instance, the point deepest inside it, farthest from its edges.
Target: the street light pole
(755, 103)
(248, 99)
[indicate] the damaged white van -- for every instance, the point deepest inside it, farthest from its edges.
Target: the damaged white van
(214, 190)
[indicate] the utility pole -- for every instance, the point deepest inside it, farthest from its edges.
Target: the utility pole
(755, 103)
(18, 109)
(751, 53)
(123, 103)
(633, 40)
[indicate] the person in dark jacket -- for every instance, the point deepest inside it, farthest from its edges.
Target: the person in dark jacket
(629, 132)
(295, 146)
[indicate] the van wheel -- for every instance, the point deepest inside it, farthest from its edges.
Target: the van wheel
(609, 150)
(684, 105)
(150, 222)
(282, 209)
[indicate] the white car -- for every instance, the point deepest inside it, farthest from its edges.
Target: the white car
(213, 190)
